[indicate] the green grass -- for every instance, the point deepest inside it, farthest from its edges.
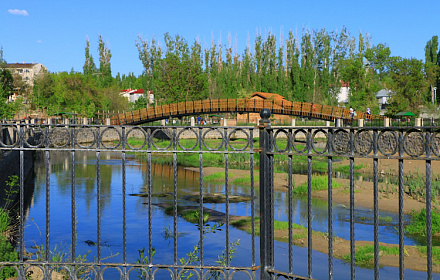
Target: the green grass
(319, 183)
(346, 168)
(435, 253)
(136, 142)
(418, 223)
(246, 180)
(4, 221)
(278, 225)
(416, 185)
(217, 177)
(364, 255)
(386, 219)
(191, 216)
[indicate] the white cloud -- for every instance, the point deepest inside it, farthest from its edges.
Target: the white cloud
(39, 41)
(18, 12)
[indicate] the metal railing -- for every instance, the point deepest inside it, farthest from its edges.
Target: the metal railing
(372, 143)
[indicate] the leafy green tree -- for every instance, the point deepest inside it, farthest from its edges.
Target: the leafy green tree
(408, 85)
(378, 60)
(181, 77)
(44, 89)
(139, 104)
(6, 86)
(6, 79)
(150, 55)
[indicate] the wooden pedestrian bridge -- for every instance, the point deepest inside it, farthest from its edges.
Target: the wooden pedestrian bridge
(214, 106)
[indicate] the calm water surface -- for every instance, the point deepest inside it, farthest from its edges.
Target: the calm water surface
(60, 228)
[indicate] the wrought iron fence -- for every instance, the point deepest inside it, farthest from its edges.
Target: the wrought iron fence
(311, 143)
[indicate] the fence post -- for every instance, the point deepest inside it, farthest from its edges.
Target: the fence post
(266, 197)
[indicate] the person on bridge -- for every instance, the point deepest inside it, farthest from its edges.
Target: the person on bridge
(351, 115)
(368, 114)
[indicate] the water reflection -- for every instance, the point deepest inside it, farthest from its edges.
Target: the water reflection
(138, 223)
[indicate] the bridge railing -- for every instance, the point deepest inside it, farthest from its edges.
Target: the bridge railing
(283, 107)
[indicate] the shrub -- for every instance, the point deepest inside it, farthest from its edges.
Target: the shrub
(7, 254)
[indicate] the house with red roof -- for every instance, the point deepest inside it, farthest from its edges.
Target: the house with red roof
(133, 94)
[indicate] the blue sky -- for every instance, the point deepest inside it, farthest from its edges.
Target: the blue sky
(54, 32)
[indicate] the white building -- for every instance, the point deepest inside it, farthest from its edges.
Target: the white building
(383, 97)
(133, 95)
(27, 71)
(344, 92)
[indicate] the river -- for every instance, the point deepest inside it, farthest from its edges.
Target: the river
(111, 210)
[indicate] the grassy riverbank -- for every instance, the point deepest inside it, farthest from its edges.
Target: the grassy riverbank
(236, 159)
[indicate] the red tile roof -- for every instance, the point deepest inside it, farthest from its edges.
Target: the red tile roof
(133, 91)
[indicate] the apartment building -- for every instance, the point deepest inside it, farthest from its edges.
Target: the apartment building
(27, 71)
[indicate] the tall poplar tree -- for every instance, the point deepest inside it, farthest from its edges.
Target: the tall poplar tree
(307, 69)
(432, 65)
(105, 73)
(150, 55)
(321, 65)
(89, 67)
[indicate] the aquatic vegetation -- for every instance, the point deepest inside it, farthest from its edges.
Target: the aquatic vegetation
(418, 223)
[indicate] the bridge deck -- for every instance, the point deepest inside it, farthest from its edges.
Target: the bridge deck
(283, 107)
